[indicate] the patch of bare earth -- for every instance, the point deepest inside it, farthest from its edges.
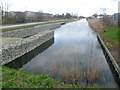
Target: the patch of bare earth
(97, 26)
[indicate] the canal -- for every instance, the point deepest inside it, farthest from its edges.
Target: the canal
(74, 56)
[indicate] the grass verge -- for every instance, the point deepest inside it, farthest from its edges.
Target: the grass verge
(28, 26)
(20, 79)
(111, 33)
(8, 40)
(110, 36)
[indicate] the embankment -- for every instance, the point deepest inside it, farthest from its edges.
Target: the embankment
(26, 32)
(111, 58)
(35, 37)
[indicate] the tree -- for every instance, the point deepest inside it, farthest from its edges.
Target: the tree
(95, 15)
(39, 16)
(68, 15)
(19, 17)
(4, 8)
(63, 16)
(103, 10)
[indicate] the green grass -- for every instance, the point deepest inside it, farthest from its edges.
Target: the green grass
(8, 40)
(111, 37)
(111, 33)
(28, 26)
(20, 79)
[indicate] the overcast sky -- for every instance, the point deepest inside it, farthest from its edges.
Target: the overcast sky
(81, 7)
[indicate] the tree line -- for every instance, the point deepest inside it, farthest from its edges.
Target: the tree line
(24, 17)
(15, 17)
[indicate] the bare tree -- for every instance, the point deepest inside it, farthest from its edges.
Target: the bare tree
(20, 17)
(68, 15)
(95, 15)
(106, 19)
(4, 10)
(39, 16)
(103, 10)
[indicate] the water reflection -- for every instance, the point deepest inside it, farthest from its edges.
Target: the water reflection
(75, 57)
(19, 62)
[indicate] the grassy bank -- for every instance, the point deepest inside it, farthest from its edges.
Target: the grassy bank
(111, 32)
(20, 79)
(109, 35)
(12, 78)
(28, 26)
(8, 40)
(96, 24)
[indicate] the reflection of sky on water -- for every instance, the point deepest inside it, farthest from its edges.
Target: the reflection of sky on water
(73, 41)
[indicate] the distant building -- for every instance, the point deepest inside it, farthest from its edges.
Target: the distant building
(100, 16)
(91, 17)
(81, 17)
(47, 15)
(30, 14)
(14, 13)
(116, 16)
(96, 16)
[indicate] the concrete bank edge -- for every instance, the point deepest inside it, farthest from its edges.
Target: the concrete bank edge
(14, 50)
(109, 55)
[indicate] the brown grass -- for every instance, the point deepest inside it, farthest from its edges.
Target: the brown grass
(96, 24)
(70, 75)
(67, 74)
(91, 75)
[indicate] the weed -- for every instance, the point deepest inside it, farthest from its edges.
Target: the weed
(20, 79)
(91, 76)
(70, 75)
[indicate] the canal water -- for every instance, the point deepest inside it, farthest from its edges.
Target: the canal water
(74, 56)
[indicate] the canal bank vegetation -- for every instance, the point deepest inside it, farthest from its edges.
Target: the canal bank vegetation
(74, 73)
(18, 17)
(108, 29)
(8, 40)
(69, 77)
(110, 35)
(29, 26)
(12, 78)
